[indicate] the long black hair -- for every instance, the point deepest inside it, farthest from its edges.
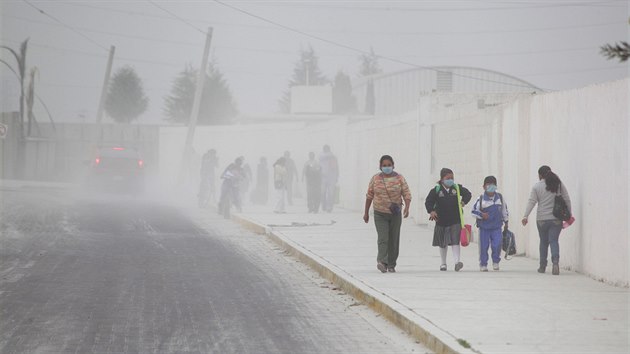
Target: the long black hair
(551, 179)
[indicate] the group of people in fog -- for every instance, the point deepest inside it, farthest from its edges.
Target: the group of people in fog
(320, 175)
(389, 195)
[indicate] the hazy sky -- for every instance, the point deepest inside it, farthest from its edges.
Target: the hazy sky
(554, 44)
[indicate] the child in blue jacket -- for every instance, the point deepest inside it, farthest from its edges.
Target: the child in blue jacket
(491, 213)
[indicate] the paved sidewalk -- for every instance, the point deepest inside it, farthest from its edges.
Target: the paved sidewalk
(514, 310)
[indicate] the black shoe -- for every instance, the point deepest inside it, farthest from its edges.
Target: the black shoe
(443, 268)
(391, 270)
(459, 266)
(541, 269)
(555, 270)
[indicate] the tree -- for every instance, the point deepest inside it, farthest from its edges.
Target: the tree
(369, 64)
(343, 100)
(217, 103)
(125, 99)
(306, 72)
(619, 50)
(370, 98)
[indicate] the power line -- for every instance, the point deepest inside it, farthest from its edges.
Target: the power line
(90, 30)
(177, 17)
(389, 8)
(345, 46)
(137, 60)
(367, 33)
(65, 25)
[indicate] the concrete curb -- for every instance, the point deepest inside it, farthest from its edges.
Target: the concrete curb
(435, 338)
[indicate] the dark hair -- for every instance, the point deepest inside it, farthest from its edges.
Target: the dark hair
(490, 179)
(385, 158)
(443, 172)
(551, 179)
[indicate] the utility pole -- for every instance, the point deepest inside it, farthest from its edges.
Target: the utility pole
(194, 113)
(108, 71)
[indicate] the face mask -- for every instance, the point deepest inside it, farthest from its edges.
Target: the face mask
(449, 182)
(491, 188)
(387, 170)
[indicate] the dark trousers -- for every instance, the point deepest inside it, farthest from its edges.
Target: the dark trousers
(388, 230)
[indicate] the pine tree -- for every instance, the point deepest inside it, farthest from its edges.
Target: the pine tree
(619, 50)
(125, 99)
(217, 103)
(343, 100)
(369, 64)
(305, 72)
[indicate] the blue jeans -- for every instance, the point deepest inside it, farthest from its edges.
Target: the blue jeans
(490, 238)
(549, 232)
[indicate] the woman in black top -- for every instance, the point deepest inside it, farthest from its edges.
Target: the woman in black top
(442, 205)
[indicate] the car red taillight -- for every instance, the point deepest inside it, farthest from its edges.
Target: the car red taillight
(140, 163)
(97, 161)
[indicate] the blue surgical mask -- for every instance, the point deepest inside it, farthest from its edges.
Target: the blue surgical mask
(449, 182)
(387, 169)
(491, 188)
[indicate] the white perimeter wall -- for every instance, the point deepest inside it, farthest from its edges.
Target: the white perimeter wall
(582, 134)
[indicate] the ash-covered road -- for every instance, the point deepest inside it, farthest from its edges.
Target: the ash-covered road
(125, 276)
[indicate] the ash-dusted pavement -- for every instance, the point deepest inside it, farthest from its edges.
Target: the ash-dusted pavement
(514, 310)
(126, 276)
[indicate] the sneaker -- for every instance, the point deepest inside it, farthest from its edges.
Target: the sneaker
(541, 269)
(556, 269)
(483, 268)
(495, 266)
(382, 267)
(443, 268)
(391, 270)
(459, 266)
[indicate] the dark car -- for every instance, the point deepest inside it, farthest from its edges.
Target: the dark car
(117, 169)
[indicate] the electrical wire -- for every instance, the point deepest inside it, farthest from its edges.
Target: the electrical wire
(456, 8)
(65, 25)
(361, 51)
(176, 16)
(345, 32)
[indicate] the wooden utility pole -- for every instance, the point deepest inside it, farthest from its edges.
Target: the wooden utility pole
(194, 113)
(108, 72)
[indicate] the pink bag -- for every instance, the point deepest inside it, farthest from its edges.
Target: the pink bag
(465, 236)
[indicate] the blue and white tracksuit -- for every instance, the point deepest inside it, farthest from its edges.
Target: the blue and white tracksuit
(490, 230)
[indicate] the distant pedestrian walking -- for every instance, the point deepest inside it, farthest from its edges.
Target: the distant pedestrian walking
(312, 175)
(443, 203)
(207, 180)
(280, 184)
(386, 192)
(260, 195)
(330, 177)
(492, 215)
(544, 194)
(292, 175)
